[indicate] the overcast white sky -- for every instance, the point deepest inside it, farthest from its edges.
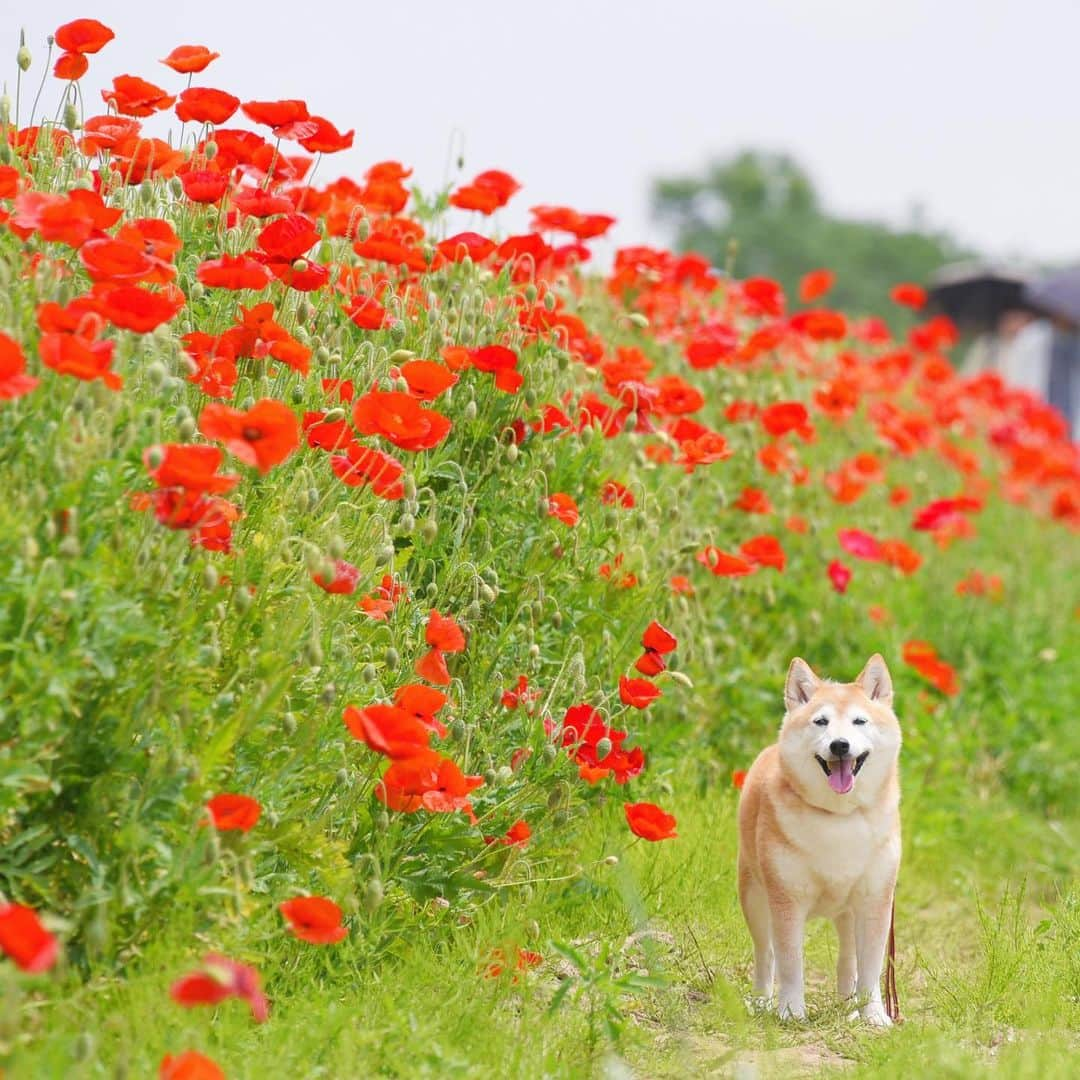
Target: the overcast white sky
(969, 108)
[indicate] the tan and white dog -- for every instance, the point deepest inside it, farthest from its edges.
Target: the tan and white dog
(819, 835)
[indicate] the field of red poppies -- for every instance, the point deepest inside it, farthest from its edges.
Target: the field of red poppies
(389, 606)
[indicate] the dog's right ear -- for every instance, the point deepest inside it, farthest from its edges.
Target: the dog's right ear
(801, 684)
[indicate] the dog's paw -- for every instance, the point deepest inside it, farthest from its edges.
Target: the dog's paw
(792, 1010)
(874, 1014)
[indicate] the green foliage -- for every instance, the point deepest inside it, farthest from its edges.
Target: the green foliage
(759, 214)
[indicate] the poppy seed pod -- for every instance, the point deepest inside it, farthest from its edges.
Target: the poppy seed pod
(71, 116)
(392, 658)
(288, 723)
(210, 149)
(489, 777)
(603, 748)
(373, 894)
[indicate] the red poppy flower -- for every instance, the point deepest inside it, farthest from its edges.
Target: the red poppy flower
(221, 978)
(25, 940)
(107, 259)
(399, 419)
(564, 508)
(924, 659)
(860, 544)
(524, 960)
(471, 244)
(132, 96)
(432, 666)
(783, 417)
(820, 325)
(366, 312)
(264, 436)
(637, 693)
(190, 59)
(81, 357)
(815, 284)
(901, 556)
(205, 105)
(326, 139)
(86, 36)
(71, 66)
(193, 468)
(738, 778)
(427, 380)
(722, 564)
(259, 203)
(232, 272)
(936, 514)
(388, 729)
(234, 812)
(764, 551)
(427, 781)
(615, 494)
(14, 382)
(363, 465)
(649, 822)
(343, 583)
(289, 237)
(839, 575)
(908, 295)
(422, 703)
(129, 307)
(659, 639)
(190, 1065)
(275, 114)
(314, 919)
(753, 501)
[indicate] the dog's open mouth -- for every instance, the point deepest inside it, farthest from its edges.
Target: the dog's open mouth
(841, 772)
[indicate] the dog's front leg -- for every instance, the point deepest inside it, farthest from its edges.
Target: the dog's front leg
(871, 936)
(788, 926)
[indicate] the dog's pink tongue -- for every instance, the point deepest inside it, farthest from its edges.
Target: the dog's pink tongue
(841, 777)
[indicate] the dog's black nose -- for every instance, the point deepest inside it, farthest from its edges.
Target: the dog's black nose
(839, 747)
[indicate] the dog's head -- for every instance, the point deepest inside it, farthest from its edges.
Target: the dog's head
(839, 741)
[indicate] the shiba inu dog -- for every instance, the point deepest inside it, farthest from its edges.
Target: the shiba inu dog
(819, 835)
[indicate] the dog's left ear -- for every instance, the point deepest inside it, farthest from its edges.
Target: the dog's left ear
(875, 680)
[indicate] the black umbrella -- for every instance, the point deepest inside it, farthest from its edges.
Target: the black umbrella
(1056, 295)
(975, 296)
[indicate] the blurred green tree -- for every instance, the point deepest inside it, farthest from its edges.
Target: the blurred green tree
(759, 213)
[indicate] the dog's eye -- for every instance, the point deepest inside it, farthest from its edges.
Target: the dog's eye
(821, 721)
(859, 720)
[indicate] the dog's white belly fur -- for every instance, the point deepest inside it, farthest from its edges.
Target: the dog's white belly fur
(835, 861)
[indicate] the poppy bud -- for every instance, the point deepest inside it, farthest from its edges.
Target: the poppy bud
(549, 301)
(504, 774)
(341, 777)
(322, 353)
(511, 453)
(22, 57)
(603, 748)
(155, 376)
(489, 776)
(154, 457)
(399, 356)
(556, 619)
(300, 265)
(373, 894)
(392, 658)
(243, 601)
(639, 320)
(220, 611)
(432, 589)
(186, 427)
(210, 149)
(248, 403)
(408, 486)
(458, 730)
(327, 694)
(336, 547)
(313, 496)
(30, 549)
(381, 821)
(363, 229)
(397, 331)
(560, 819)
(69, 547)
(288, 723)
(5, 109)
(210, 576)
(313, 651)
(401, 384)
(630, 423)
(530, 293)
(429, 531)
(611, 860)
(296, 395)
(209, 656)
(469, 412)
(225, 700)
(488, 594)
(385, 555)
(146, 191)
(407, 523)
(71, 116)
(6, 155)
(550, 752)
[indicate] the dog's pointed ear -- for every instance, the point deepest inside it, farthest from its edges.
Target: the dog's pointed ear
(801, 684)
(875, 680)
